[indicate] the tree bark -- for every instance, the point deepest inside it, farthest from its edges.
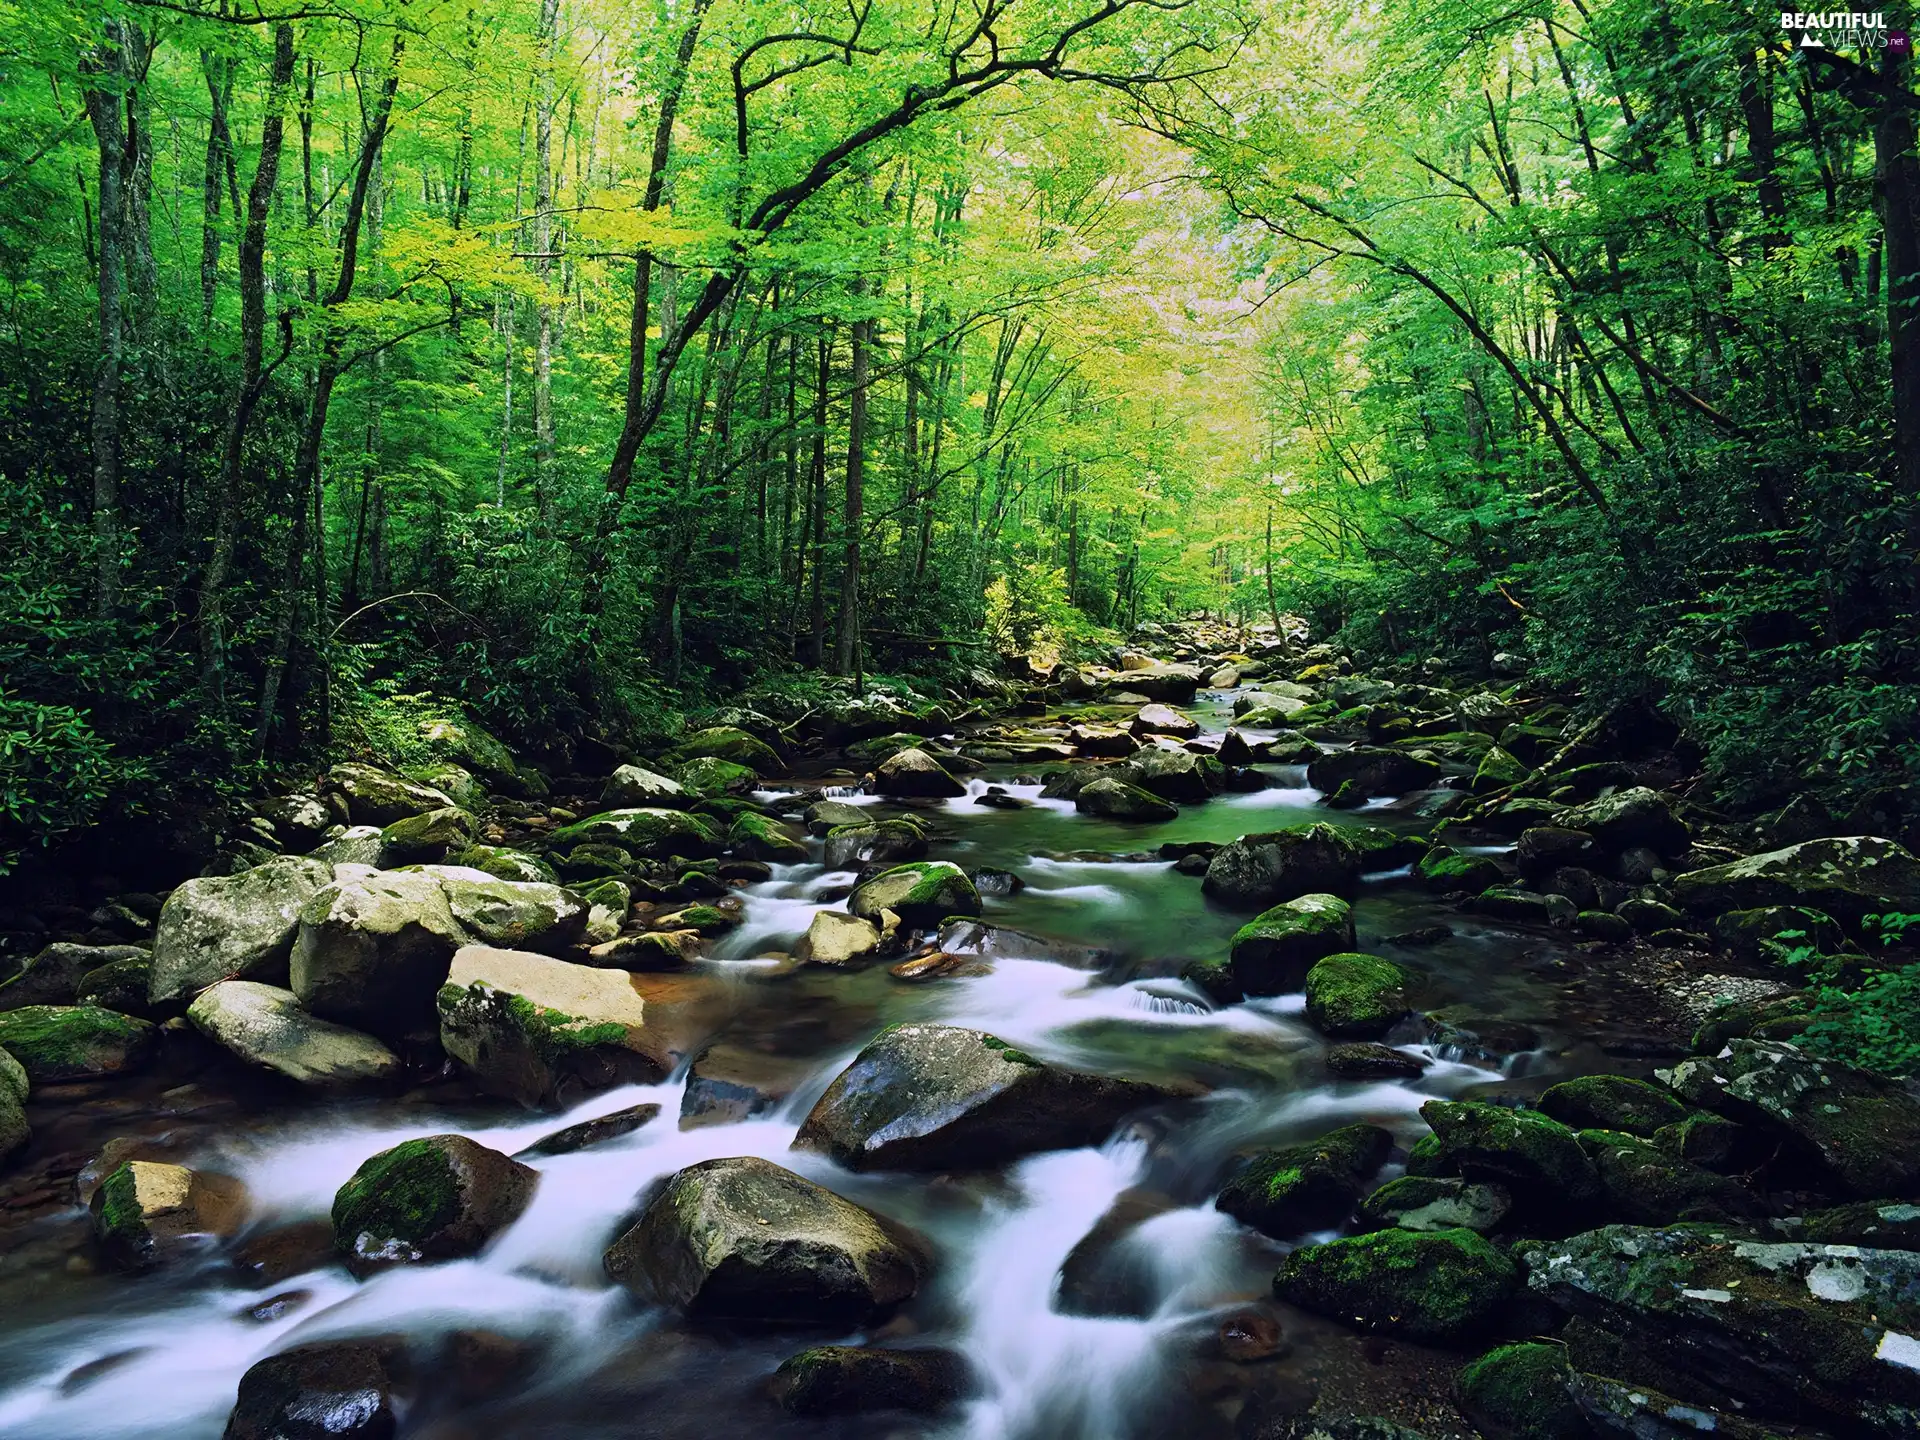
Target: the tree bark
(106, 68)
(543, 264)
(847, 661)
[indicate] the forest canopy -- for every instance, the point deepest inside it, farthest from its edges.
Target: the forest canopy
(582, 362)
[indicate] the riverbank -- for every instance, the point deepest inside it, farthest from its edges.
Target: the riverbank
(1220, 1040)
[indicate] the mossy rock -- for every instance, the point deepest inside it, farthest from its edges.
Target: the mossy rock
(120, 985)
(1539, 1160)
(1444, 869)
(855, 1379)
(146, 1213)
(75, 1042)
(504, 863)
(1379, 848)
(1498, 770)
(1440, 1288)
(1646, 1185)
(1612, 1102)
(1112, 798)
(1519, 1392)
(759, 838)
(1289, 1191)
(1435, 1202)
(1772, 932)
(442, 1197)
(921, 893)
(874, 842)
(1355, 996)
(709, 777)
(1273, 952)
(727, 742)
(1712, 1141)
(652, 832)
(706, 919)
(1214, 978)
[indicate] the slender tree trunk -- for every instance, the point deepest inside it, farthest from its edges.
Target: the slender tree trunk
(543, 264)
(817, 546)
(848, 659)
(219, 75)
(504, 323)
(1899, 173)
(106, 67)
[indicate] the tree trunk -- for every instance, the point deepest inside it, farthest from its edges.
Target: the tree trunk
(1899, 175)
(543, 264)
(848, 658)
(107, 63)
(219, 76)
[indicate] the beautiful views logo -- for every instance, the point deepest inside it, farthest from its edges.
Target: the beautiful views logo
(1844, 29)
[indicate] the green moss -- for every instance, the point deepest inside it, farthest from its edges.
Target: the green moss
(120, 1215)
(1306, 1187)
(1443, 868)
(1356, 996)
(71, 1042)
(1519, 1392)
(1439, 1287)
(1536, 1157)
(1612, 1102)
(408, 1193)
(1009, 1053)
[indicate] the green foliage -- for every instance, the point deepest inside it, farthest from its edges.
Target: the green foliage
(1875, 1022)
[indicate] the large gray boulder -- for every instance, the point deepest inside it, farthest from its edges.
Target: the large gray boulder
(1848, 877)
(921, 892)
(543, 1031)
(647, 830)
(1176, 775)
(265, 1026)
(232, 926)
(913, 772)
(1174, 684)
(634, 787)
(939, 1097)
(744, 1239)
(1798, 1332)
(1371, 772)
(373, 949)
(1164, 720)
(514, 914)
(1626, 818)
(1258, 871)
(379, 797)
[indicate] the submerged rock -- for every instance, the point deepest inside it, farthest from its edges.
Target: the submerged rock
(939, 1097)
(75, 1042)
(264, 1025)
(1272, 953)
(921, 893)
(1288, 1191)
(744, 1239)
(543, 1031)
(232, 926)
(442, 1197)
(855, 1379)
(1439, 1288)
(144, 1213)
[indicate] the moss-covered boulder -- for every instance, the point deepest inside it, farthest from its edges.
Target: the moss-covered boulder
(145, 1213)
(1356, 997)
(53, 976)
(1847, 878)
(921, 893)
(634, 787)
(265, 1026)
(121, 985)
(232, 926)
(1370, 1060)
(759, 837)
(1371, 772)
(373, 949)
(442, 1197)
(913, 772)
(1298, 1188)
(825, 816)
(374, 796)
(1273, 952)
(646, 831)
(1820, 1334)
(427, 837)
(1436, 1202)
(856, 1379)
(1519, 1392)
(708, 777)
(1280, 865)
(1612, 1102)
(1547, 848)
(75, 1042)
(1628, 818)
(1175, 775)
(14, 1087)
(939, 1097)
(1440, 1288)
(1445, 869)
(1771, 932)
(544, 1031)
(1861, 1129)
(744, 1239)
(1102, 742)
(729, 742)
(1877, 1225)
(1646, 1185)
(515, 914)
(874, 842)
(329, 1390)
(1536, 1159)
(1499, 770)
(1111, 797)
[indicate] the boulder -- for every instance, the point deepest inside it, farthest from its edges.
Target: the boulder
(75, 1042)
(1365, 1060)
(1796, 1331)
(1520, 1392)
(1438, 1288)
(1626, 818)
(708, 777)
(1179, 776)
(379, 797)
(921, 893)
(426, 837)
(1298, 1188)
(913, 772)
(1164, 720)
(855, 1379)
(538, 1030)
(1261, 870)
(834, 938)
(597, 1131)
(53, 976)
(373, 949)
(1445, 869)
(329, 1390)
(442, 1197)
(1174, 684)
(513, 914)
(633, 787)
(645, 831)
(1436, 1202)
(938, 1097)
(146, 1213)
(264, 1025)
(120, 985)
(1112, 798)
(1272, 953)
(876, 842)
(1357, 997)
(14, 1088)
(451, 780)
(1771, 932)
(1537, 1160)
(728, 742)
(728, 1083)
(1546, 848)
(1612, 1102)
(743, 1239)
(1370, 772)
(1108, 742)
(825, 816)
(1847, 878)
(759, 838)
(1873, 1225)
(1861, 1129)
(1499, 770)
(1645, 1184)
(356, 845)
(232, 926)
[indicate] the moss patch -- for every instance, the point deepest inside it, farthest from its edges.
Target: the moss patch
(73, 1042)
(1519, 1392)
(1437, 1288)
(1356, 996)
(408, 1194)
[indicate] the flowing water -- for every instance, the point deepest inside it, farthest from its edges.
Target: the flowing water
(102, 1355)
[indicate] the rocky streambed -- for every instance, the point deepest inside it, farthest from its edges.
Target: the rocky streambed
(1217, 1043)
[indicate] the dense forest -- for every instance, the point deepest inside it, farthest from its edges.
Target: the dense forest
(581, 361)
